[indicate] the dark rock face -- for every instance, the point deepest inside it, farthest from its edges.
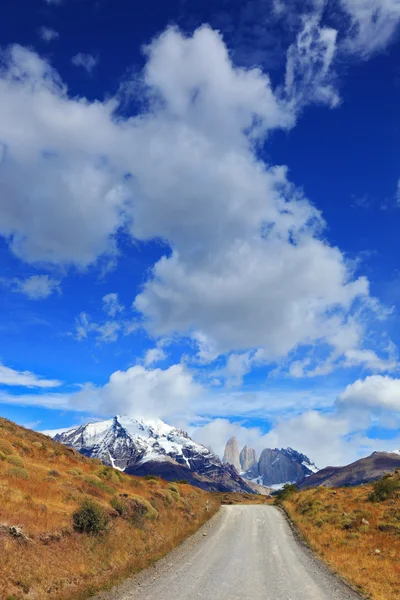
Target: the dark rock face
(248, 462)
(231, 454)
(284, 465)
(141, 447)
(365, 470)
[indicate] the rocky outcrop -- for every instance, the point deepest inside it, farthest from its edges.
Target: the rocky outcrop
(285, 465)
(248, 462)
(151, 447)
(231, 454)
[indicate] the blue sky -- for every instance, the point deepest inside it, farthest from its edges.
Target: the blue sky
(199, 207)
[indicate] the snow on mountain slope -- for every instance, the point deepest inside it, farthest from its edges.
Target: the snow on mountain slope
(143, 446)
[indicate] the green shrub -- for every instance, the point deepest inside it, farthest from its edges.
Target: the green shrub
(2, 456)
(37, 445)
(285, 493)
(90, 518)
(108, 474)
(184, 481)
(6, 447)
(54, 473)
(385, 488)
(152, 477)
(18, 472)
(73, 472)
(118, 505)
(173, 488)
(92, 479)
(134, 509)
(15, 460)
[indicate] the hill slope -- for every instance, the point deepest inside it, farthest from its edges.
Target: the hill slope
(364, 470)
(356, 530)
(43, 483)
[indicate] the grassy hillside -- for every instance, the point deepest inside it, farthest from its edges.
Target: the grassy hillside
(356, 530)
(69, 525)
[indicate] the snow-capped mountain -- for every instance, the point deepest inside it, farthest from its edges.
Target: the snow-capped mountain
(142, 446)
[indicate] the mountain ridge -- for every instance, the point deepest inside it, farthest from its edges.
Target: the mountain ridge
(364, 470)
(141, 446)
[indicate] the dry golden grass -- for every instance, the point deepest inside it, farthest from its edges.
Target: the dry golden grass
(237, 498)
(346, 530)
(59, 563)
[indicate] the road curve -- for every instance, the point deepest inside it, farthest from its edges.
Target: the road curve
(244, 553)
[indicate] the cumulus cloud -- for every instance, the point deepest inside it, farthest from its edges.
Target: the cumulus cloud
(376, 392)
(11, 377)
(249, 268)
(87, 61)
(36, 287)
(47, 34)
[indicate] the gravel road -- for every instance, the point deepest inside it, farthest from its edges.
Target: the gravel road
(243, 553)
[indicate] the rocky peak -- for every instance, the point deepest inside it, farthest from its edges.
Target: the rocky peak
(248, 461)
(277, 466)
(231, 454)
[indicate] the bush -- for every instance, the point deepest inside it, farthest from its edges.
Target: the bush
(53, 473)
(73, 472)
(118, 505)
(90, 518)
(152, 477)
(2, 455)
(37, 445)
(18, 472)
(285, 493)
(184, 481)
(15, 460)
(173, 488)
(92, 479)
(134, 509)
(384, 488)
(109, 474)
(6, 447)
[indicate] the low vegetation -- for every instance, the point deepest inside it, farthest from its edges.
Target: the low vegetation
(70, 526)
(356, 530)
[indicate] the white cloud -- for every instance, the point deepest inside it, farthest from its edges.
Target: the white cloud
(47, 34)
(374, 24)
(154, 355)
(309, 67)
(111, 305)
(36, 287)
(87, 61)
(249, 267)
(108, 331)
(376, 392)
(137, 391)
(12, 377)
(61, 199)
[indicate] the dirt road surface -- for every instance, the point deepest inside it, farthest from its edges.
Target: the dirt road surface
(243, 553)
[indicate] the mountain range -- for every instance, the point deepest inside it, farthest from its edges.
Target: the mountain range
(362, 471)
(275, 467)
(151, 447)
